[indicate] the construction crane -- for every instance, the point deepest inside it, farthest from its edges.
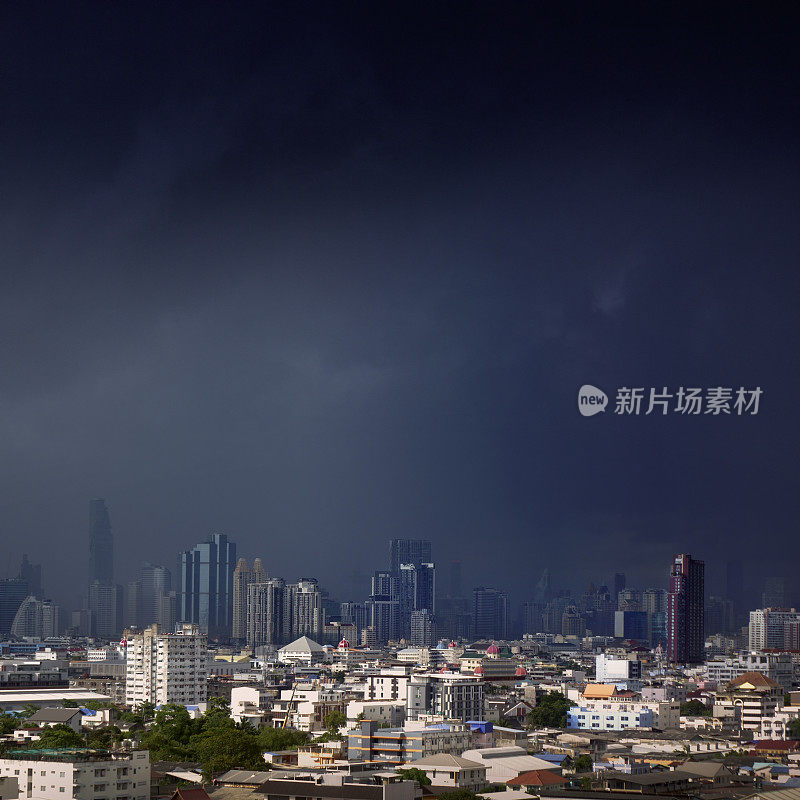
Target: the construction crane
(289, 707)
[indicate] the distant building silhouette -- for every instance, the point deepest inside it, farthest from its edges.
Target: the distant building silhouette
(101, 543)
(32, 573)
(490, 613)
(408, 551)
(13, 592)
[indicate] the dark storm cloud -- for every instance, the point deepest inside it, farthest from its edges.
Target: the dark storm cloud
(320, 279)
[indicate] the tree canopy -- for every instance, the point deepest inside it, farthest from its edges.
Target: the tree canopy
(550, 711)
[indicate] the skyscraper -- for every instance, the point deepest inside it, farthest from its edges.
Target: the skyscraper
(101, 543)
(32, 573)
(685, 611)
(490, 613)
(206, 585)
(13, 592)
(243, 576)
(408, 551)
(105, 605)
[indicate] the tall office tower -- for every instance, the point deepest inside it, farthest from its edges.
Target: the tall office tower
(266, 613)
(629, 600)
(101, 543)
(304, 604)
(386, 583)
(154, 580)
(13, 592)
(383, 617)
(132, 616)
(206, 585)
(32, 573)
(531, 617)
(654, 600)
(166, 668)
(619, 583)
(408, 551)
(774, 594)
(734, 581)
(417, 592)
(490, 613)
(39, 619)
(544, 589)
(354, 614)
(455, 579)
(243, 576)
(772, 628)
(719, 615)
(105, 607)
(422, 628)
(685, 611)
(167, 611)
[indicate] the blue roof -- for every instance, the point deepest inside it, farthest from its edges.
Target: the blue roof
(555, 758)
(483, 727)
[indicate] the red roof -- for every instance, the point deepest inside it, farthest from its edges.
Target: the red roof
(537, 777)
(778, 744)
(188, 793)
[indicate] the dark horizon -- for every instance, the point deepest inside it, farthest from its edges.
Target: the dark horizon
(320, 277)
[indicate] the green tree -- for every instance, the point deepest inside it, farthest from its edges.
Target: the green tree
(333, 721)
(272, 739)
(459, 794)
(104, 738)
(550, 712)
(28, 711)
(695, 708)
(8, 723)
(66, 703)
(220, 748)
(415, 774)
(583, 763)
(59, 736)
(793, 729)
(168, 737)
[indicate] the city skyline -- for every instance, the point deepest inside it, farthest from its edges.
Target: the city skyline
(339, 278)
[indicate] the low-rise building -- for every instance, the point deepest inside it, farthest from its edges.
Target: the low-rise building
(395, 746)
(455, 772)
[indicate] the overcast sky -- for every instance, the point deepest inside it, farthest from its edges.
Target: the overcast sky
(329, 274)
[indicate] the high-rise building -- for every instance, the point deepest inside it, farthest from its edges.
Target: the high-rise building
(490, 613)
(101, 543)
(417, 586)
(155, 581)
(106, 609)
(13, 592)
(206, 585)
(455, 579)
(39, 619)
(619, 584)
(774, 594)
(686, 610)
(304, 604)
(408, 551)
(32, 573)
(355, 614)
(243, 576)
(266, 617)
(165, 668)
(422, 628)
(773, 628)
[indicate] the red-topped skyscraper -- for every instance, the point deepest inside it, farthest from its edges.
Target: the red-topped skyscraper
(685, 611)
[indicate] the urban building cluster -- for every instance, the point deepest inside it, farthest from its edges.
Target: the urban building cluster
(662, 691)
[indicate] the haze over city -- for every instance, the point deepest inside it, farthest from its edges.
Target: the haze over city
(324, 277)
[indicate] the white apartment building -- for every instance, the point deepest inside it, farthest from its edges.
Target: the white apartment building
(773, 629)
(446, 694)
(389, 684)
(624, 673)
(627, 710)
(79, 774)
(305, 707)
(166, 667)
(777, 666)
